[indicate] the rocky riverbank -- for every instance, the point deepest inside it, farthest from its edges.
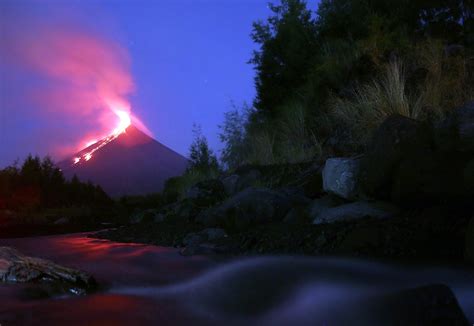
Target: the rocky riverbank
(409, 196)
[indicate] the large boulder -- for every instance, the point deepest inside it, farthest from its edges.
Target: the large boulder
(319, 205)
(207, 192)
(340, 177)
(356, 210)
(469, 252)
(397, 137)
(456, 132)
(431, 178)
(16, 267)
(251, 206)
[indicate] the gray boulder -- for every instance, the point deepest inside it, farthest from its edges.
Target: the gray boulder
(396, 138)
(319, 205)
(340, 177)
(356, 210)
(200, 243)
(18, 268)
(252, 205)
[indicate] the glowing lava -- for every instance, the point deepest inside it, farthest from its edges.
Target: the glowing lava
(124, 122)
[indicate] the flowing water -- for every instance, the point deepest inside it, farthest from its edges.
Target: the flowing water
(148, 285)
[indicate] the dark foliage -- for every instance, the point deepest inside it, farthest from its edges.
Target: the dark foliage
(39, 184)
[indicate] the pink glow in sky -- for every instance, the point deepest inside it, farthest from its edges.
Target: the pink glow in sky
(89, 80)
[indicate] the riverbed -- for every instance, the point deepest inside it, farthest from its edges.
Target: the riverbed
(149, 285)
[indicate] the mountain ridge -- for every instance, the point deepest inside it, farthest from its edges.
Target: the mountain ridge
(133, 163)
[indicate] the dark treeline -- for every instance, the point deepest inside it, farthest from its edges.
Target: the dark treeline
(326, 79)
(38, 184)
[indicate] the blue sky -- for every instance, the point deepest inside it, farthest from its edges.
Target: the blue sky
(188, 61)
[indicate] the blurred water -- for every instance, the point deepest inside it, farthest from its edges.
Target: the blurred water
(146, 285)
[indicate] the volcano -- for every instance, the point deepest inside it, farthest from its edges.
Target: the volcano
(131, 163)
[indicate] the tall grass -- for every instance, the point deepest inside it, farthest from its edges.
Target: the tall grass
(445, 86)
(286, 139)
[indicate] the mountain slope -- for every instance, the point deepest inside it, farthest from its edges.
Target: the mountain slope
(131, 164)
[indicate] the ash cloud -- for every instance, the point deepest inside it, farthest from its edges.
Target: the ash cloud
(63, 80)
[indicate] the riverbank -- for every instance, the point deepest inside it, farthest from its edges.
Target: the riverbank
(425, 235)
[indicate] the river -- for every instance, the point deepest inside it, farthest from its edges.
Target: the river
(149, 285)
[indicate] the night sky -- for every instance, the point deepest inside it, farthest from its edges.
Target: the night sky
(173, 62)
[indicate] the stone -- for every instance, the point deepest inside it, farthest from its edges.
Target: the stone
(311, 181)
(213, 234)
(62, 221)
(206, 193)
(456, 132)
(247, 180)
(250, 206)
(144, 216)
(469, 251)
(297, 215)
(16, 267)
(356, 210)
(396, 138)
(431, 177)
(340, 177)
(323, 203)
(230, 184)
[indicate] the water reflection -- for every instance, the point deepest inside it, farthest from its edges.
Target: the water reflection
(155, 285)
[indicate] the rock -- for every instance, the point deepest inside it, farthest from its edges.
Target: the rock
(18, 268)
(456, 132)
(230, 184)
(297, 215)
(209, 234)
(311, 181)
(213, 234)
(469, 251)
(319, 205)
(159, 218)
(62, 221)
(396, 138)
(431, 177)
(250, 206)
(206, 193)
(198, 243)
(340, 177)
(247, 180)
(356, 210)
(295, 196)
(433, 304)
(144, 216)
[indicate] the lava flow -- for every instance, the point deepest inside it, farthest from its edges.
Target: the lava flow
(87, 153)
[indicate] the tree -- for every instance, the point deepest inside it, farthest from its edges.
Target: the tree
(201, 156)
(232, 134)
(287, 43)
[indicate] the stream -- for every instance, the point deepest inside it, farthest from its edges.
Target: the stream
(148, 285)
